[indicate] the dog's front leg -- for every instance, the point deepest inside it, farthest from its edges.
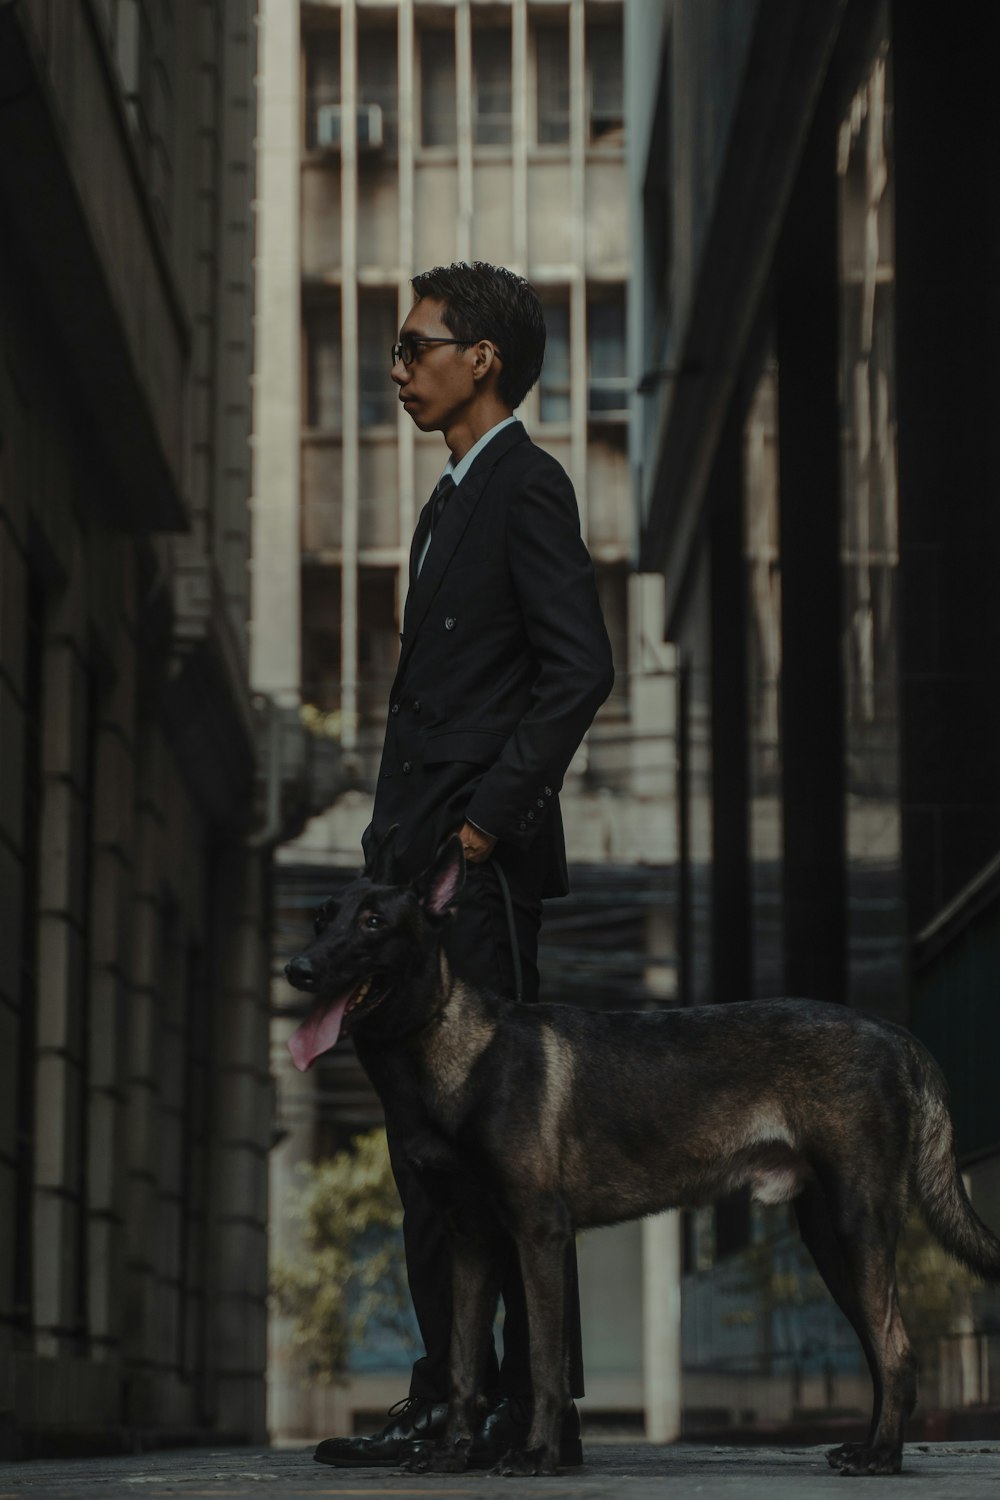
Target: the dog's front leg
(475, 1291)
(543, 1241)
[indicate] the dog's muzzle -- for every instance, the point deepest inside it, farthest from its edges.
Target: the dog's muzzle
(302, 973)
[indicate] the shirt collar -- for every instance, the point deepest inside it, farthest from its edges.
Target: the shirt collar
(459, 470)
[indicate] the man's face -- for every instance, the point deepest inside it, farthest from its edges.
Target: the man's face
(439, 384)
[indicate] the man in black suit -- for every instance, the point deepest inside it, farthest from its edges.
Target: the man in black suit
(504, 662)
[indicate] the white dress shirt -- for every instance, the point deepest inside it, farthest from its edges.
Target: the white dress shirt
(459, 470)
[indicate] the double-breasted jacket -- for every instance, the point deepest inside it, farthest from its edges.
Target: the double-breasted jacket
(504, 661)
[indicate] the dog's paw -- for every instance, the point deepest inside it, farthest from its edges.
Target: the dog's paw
(429, 1457)
(865, 1458)
(524, 1463)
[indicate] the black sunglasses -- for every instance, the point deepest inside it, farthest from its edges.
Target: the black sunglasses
(409, 347)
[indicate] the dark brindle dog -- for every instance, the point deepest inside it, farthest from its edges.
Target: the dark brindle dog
(554, 1119)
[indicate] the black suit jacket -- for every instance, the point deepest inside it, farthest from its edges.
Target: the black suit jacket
(504, 662)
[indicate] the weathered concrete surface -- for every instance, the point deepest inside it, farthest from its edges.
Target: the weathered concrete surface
(968, 1471)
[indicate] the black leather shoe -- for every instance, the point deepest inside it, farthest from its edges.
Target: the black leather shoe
(413, 1419)
(507, 1426)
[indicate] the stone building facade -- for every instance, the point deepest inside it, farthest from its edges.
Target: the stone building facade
(135, 1098)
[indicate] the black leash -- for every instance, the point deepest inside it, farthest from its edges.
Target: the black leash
(515, 951)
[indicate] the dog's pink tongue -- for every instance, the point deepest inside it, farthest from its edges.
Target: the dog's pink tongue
(317, 1034)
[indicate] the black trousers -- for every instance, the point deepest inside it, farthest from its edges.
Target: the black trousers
(479, 949)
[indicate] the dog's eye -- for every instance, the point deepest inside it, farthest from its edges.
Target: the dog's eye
(373, 921)
(322, 917)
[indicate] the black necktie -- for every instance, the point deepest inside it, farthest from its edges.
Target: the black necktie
(435, 510)
(439, 499)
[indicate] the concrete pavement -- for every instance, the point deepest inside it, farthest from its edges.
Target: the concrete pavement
(635, 1471)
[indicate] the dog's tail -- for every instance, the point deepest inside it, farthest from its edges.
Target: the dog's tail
(938, 1183)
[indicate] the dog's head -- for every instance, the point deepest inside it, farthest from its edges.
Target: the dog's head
(370, 948)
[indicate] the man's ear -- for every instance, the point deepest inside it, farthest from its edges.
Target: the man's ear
(440, 885)
(487, 361)
(381, 865)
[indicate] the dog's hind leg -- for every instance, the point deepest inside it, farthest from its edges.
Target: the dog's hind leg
(853, 1243)
(819, 1236)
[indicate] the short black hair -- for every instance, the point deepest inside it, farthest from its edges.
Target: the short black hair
(481, 301)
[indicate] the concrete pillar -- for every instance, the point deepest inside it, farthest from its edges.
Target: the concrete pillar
(463, 80)
(112, 877)
(351, 375)
(661, 1298)
(275, 639)
(578, 285)
(289, 1413)
(519, 135)
(137, 1291)
(17, 1020)
(234, 329)
(408, 126)
(61, 975)
(243, 1122)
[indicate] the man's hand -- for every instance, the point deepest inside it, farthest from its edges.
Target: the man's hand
(478, 846)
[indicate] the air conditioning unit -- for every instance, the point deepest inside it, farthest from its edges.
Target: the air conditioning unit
(367, 126)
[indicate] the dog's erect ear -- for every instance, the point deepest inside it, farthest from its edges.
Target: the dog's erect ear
(381, 865)
(440, 885)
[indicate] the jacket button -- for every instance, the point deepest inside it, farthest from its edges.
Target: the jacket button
(540, 802)
(394, 709)
(416, 705)
(548, 791)
(407, 768)
(449, 624)
(531, 816)
(523, 827)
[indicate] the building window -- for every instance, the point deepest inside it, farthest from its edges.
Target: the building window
(876, 942)
(657, 200)
(554, 382)
(552, 84)
(612, 590)
(438, 114)
(491, 54)
(132, 45)
(322, 48)
(139, 38)
(607, 379)
(323, 373)
(377, 324)
(378, 638)
(605, 88)
(321, 639)
(378, 93)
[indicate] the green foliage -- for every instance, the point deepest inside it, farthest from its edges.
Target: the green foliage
(936, 1294)
(351, 1279)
